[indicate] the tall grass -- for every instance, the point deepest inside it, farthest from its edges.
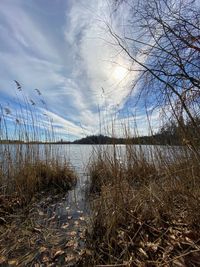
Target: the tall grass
(145, 207)
(26, 166)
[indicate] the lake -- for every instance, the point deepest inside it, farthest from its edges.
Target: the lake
(79, 157)
(73, 209)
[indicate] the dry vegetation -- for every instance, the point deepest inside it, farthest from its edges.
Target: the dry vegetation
(33, 180)
(30, 178)
(39, 236)
(145, 213)
(146, 210)
(26, 167)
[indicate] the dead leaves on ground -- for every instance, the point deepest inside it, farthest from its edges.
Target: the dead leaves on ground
(45, 237)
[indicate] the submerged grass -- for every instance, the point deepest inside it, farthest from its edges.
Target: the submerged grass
(145, 210)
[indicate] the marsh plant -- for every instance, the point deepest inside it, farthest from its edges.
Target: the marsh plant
(27, 166)
(145, 207)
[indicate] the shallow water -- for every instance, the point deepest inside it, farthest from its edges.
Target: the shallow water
(65, 217)
(79, 157)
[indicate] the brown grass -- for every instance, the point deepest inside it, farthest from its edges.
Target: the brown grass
(31, 178)
(145, 214)
(26, 167)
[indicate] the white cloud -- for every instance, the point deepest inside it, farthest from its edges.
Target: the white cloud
(76, 87)
(63, 126)
(99, 59)
(25, 31)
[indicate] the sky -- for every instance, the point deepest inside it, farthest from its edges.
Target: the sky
(64, 49)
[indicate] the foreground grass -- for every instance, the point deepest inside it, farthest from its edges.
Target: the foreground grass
(31, 231)
(34, 180)
(145, 214)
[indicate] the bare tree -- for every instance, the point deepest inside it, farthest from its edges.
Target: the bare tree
(162, 37)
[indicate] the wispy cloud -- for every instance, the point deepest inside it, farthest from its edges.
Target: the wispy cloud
(24, 30)
(82, 75)
(98, 59)
(66, 127)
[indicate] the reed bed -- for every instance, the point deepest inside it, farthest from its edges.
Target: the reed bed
(145, 209)
(27, 166)
(31, 178)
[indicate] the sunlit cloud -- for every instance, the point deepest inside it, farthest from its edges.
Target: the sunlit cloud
(84, 78)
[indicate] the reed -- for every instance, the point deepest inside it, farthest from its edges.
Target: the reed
(27, 166)
(145, 207)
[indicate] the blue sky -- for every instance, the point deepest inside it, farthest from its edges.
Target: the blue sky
(63, 48)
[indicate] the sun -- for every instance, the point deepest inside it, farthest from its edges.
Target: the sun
(119, 73)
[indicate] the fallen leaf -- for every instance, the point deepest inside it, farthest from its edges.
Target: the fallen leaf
(70, 258)
(179, 262)
(64, 226)
(152, 246)
(12, 262)
(72, 233)
(82, 235)
(59, 253)
(42, 249)
(173, 237)
(72, 243)
(45, 259)
(88, 252)
(2, 259)
(37, 230)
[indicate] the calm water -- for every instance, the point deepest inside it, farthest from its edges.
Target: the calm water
(69, 215)
(79, 157)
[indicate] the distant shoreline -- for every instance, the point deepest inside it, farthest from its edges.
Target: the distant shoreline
(158, 139)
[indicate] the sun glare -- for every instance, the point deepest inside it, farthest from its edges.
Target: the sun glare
(119, 73)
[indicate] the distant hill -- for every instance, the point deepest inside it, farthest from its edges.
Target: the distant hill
(165, 137)
(158, 139)
(99, 139)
